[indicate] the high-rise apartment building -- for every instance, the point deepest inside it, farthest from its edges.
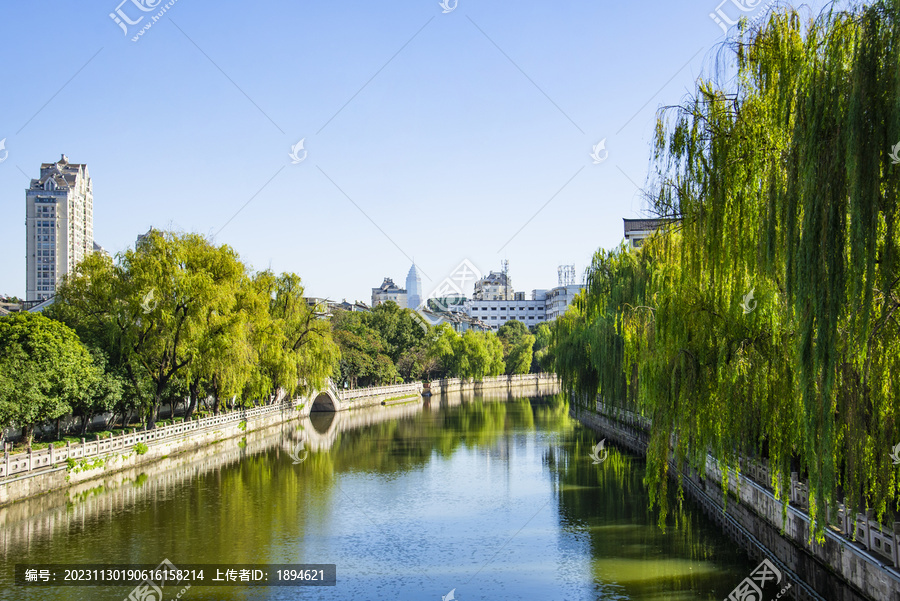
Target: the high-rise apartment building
(59, 225)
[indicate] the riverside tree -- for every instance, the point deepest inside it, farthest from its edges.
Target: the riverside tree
(769, 303)
(178, 315)
(44, 371)
(518, 346)
(472, 355)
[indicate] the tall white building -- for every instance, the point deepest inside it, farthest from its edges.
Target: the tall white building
(59, 225)
(413, 288)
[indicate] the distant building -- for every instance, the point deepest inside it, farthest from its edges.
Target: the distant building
(10, 306)
(443, 304)
(559, 299)
(59, 222)
(460, 322)
(101, 250)
(389, 291)
(142, 237)
(322, 307)
(638, 230)
(494, 286)
(39, 307)
(357, 306)
(495, 313)
(413, 288)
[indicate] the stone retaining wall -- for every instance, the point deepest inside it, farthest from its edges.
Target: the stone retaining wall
(837, 571)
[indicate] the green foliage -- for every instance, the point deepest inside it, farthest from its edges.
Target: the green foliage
(780, 185)
(381, 346)
(518, 347)
(400, 329)
(180, 317)
(542, 357)
(140, 448)
(84, 465)
(44, 370)
(473, 355)
(363, 360)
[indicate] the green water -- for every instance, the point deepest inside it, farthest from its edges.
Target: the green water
(497, 499)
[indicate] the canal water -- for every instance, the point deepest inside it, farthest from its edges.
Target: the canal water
(463, 498)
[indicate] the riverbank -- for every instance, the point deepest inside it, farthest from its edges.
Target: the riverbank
(839, 570)
(30, 474)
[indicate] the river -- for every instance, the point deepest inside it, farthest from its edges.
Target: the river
(484, 498)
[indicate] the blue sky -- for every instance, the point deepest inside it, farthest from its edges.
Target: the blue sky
(439, 136)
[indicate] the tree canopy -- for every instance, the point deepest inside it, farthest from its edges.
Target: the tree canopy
(762, 320)
(45, 370)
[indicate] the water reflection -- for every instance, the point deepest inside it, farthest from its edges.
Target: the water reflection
(494, 496)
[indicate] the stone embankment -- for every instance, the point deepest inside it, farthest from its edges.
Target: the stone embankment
(32, 473)
(858, 561)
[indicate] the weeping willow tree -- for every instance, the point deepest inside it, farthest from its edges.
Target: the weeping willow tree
(763, 320)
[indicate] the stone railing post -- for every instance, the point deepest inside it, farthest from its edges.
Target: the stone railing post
(6, 457)
(895, 539)
(869, 543)
(848, 523)
(50, 448)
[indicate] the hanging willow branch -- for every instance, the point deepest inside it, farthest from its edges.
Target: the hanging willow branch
(784, 186)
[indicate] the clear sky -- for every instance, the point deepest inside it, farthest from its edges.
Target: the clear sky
(439, 136)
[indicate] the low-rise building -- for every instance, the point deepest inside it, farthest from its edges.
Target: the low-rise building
(559, 299)
(638, 230)
(389, 291)
(495, 313)
(357, 306)
(460, 322)
(494, 286)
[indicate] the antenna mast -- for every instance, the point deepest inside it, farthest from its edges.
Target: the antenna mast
(504, 264)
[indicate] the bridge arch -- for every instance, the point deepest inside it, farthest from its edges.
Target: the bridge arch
(325, 401)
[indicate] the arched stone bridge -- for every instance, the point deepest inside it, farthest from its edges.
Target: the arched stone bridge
(330, 399)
